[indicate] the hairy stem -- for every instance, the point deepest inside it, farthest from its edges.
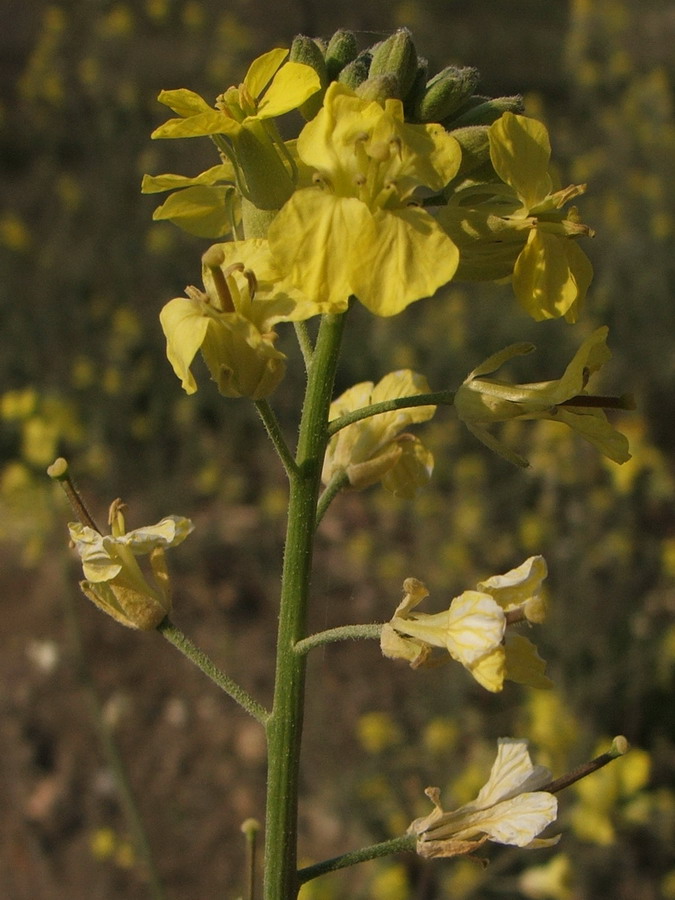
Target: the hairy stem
(183, 643)
(284, 728)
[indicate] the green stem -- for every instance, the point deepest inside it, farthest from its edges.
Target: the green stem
(112, 754)
(183, 643)
(305, 343)
(284, 727)
(342, 633)
(271, 423)
(404, 844)
(333, 488)
(436, 398)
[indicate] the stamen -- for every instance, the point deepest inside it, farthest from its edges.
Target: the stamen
(213, 259)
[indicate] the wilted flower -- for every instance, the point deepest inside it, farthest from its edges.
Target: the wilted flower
(231, 322)
(377, 449)
(358, 230)
(473, 630)
(114, 580)
(509, 809)
(481, 401)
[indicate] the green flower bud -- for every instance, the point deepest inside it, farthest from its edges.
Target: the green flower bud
(475, 145)
(342, 49)
(417, 89)
(396, 56)
(355, 72)
(446, 92)
(306, 50)
(380, 88)
(484, 111)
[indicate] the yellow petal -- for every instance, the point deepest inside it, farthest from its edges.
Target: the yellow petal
(212, 122)
(523, 663)
(262, 70)
(154, 184)
(313, 239)
(293, 84)
(205, 211)
(184, 102)
(543, 281)
(412, 470)
(409, 252)
(520, 151)
(185, 329)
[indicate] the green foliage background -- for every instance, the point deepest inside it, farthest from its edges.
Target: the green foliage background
(83, 374)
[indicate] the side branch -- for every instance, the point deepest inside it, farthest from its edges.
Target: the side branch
(271, 424)
(342, 633)
(404, 844)
(436, 398)
(183, 643)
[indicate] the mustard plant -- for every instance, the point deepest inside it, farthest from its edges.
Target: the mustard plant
(397, 183)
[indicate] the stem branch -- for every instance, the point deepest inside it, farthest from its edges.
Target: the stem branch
(183, 643)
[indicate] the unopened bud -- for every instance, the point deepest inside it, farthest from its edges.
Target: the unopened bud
(355, 72)
(380, 88)
(475, 146)
(484, 111)
(417, 89)
(306, 50)
(396, 56)
(446, 92)
(342, 49)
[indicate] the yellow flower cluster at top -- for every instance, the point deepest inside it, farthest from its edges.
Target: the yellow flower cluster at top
(397, 184)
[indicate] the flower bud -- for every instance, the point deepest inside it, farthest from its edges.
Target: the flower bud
(416, 92)
(306, 50)
(396, 56)
(380, 88)
(483, 111)
(342, 49)
(475, 145)
(355, 72)
(446, 92)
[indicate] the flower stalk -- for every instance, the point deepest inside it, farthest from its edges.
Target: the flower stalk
(284, 726)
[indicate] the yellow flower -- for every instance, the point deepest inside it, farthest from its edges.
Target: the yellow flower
(509, 809)
(359, 230)
(473, 628)
(519, 228)
(376, 449)
(114, 580)
(231, 322)
(481, 401)
(243, 123)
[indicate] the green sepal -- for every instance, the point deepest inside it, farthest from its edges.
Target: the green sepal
(306, 50)
(341, 50)
(447, 92)
(483, 111)
(396, 56)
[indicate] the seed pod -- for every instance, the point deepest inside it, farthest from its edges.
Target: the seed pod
(447, 92)
(342, 49)
(396, 56)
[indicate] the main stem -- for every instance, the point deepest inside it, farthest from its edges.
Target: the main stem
(284, 727)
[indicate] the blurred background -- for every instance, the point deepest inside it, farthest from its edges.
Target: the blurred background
(84, 273)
